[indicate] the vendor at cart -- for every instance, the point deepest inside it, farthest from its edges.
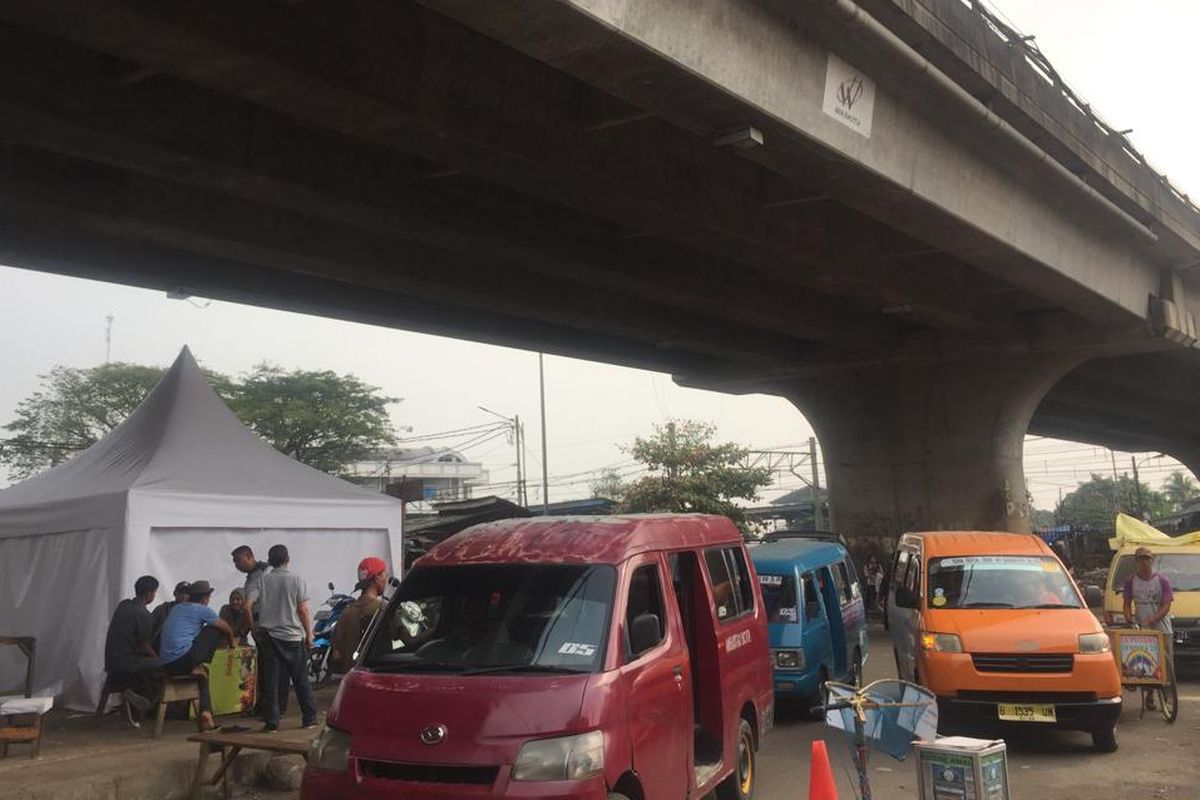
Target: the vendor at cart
(1148, 599)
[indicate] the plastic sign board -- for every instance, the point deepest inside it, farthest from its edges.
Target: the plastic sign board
(849, 96)
(1139, 655)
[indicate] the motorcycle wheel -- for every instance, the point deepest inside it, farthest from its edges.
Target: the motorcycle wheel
(318, 667)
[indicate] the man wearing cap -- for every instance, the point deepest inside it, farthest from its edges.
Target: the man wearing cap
(353, 623)
(1148, 598)
(192, 634)
(162, 610)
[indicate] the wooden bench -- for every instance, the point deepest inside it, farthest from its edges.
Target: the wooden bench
(230, 745)
(21, 721)
(175, 689)
(28, 647)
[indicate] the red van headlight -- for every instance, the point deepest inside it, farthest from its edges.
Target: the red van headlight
(940, 642)
(567, 758)
(330, 751)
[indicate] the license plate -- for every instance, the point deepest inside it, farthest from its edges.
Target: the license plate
(1027, 713)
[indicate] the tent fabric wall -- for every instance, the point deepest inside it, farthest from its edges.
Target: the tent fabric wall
(169, 492)
(61, 589)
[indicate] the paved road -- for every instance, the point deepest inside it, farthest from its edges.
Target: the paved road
(1155, 760)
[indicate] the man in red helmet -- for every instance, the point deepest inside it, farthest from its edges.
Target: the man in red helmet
(353, 623)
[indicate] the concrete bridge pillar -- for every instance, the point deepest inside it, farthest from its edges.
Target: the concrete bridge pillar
(927, 447)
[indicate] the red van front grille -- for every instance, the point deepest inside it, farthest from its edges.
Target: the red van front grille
(429, 773)
(1023, 662)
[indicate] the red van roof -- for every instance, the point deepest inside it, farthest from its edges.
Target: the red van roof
(581, 540)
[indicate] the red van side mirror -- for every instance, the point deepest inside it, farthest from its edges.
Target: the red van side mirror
(645, 632)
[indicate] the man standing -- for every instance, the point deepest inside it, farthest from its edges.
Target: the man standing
(1148, 598)
(191, 636)
(245, 562)
(129, 657)
(353, 623)
(281, 599)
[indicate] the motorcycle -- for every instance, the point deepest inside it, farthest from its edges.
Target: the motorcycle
(323, 624)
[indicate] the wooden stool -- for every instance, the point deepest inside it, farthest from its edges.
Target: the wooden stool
(177, 689)
(21, 721)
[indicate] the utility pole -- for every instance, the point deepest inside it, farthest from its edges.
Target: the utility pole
(816, 482)
(1115, 493)
(1137, 483)
(518, 434)
(545, 477)
(108, 338)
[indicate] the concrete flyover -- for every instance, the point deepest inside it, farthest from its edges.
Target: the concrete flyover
(890, 212)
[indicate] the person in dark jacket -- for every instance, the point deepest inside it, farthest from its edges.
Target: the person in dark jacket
(129, 656)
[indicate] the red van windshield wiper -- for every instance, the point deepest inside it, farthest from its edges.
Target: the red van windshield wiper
(546, 668)
(986, 604)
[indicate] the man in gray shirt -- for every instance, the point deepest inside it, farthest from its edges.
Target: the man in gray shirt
(280, 599)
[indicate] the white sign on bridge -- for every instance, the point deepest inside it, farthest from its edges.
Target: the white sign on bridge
(849, 96)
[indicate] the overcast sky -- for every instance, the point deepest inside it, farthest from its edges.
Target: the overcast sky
(1133, 61)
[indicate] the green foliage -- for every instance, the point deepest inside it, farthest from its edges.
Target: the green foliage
(71, 411)
(1095, 504)
(1179, 488)
(608, 485)
(688, 473)
(1043, 518)
(323, 419)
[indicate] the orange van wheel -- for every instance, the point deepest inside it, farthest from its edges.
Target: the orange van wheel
(740, 785)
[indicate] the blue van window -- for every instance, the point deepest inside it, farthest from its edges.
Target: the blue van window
(779, 597)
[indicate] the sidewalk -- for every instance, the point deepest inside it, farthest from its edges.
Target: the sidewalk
(83, 758)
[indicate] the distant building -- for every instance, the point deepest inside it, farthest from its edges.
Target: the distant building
(419, 474)
(793, 511)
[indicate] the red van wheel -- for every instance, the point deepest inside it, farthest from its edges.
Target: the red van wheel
(740, 785)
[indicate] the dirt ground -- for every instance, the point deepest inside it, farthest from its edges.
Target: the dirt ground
(85, 759)
(1155, 760)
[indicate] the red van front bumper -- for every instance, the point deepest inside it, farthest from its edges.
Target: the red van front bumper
(351, 785)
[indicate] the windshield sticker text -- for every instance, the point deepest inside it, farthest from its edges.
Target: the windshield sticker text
(576, 649)
(770, 580)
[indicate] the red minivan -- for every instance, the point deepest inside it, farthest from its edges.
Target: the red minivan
(599, 658)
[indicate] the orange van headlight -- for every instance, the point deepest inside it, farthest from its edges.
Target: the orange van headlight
(940, 642)
(1093, 643)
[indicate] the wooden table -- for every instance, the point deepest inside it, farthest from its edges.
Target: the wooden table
(231, 745)
(28, 646)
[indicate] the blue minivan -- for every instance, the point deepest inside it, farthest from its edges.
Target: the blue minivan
(818, 622)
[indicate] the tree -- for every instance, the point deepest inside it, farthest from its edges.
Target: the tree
(688, 473)
(608, 484)
(72, 410)
(323, 419)
(1179, 489)
(1094, 504)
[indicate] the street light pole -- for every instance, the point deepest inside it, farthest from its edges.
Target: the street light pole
(545, 478)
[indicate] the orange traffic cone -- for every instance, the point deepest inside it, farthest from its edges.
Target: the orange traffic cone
(820, 775)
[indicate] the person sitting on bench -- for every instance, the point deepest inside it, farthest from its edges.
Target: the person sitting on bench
(191, 635)
(129, 657)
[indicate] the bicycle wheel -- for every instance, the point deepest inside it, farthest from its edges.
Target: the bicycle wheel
(1168, 697)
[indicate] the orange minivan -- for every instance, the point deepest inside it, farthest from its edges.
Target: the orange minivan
(994, 626)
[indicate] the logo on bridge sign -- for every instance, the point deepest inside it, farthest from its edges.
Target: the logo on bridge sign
(849, 96)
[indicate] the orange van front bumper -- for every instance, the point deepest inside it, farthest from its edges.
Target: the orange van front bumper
(1088, 698)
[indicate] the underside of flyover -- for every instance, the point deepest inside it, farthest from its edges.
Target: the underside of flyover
(525, 174)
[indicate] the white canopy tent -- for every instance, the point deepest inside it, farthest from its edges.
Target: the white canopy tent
(169, 493)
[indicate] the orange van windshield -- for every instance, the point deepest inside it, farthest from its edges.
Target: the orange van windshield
(999, 582)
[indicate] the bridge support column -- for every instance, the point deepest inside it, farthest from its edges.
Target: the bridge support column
(927, 447)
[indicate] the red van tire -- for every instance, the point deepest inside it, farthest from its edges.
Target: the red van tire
(740, 784)
(1105, 741)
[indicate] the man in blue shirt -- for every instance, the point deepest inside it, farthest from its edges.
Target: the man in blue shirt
(191, 635)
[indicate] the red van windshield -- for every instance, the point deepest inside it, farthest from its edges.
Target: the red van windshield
(493, 618)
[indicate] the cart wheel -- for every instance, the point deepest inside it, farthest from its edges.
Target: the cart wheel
(1168, 697)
